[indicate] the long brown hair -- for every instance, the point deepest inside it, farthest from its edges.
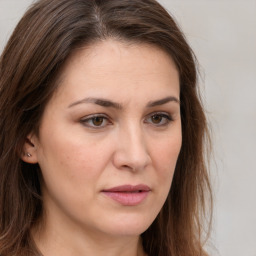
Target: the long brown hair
(29, 69)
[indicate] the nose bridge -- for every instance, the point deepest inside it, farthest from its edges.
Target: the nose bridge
(136, 140)
(132, 149)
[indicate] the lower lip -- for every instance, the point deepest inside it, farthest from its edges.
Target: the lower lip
(128, 198)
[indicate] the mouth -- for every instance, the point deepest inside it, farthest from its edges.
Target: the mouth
(128, 195)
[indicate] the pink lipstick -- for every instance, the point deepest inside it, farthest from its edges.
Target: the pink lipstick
(128, 195)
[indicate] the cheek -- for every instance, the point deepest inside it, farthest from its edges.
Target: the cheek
(73, 161)
(71, 169)
(165, 155)
(68, 161)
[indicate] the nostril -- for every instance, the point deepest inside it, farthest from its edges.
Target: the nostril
(129, 167)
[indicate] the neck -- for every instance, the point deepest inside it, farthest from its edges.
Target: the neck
(52, 239)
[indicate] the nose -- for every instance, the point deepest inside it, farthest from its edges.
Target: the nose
(131, 152)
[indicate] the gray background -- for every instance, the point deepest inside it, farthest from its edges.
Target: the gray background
(223, 36)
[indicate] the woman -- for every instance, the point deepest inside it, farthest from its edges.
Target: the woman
(102, 133)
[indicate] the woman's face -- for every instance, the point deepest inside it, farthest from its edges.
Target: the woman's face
(109, 139)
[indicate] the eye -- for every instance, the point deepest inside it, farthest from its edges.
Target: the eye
(96, 121)
(159, 119)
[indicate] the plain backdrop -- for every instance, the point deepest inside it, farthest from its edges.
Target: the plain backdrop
(223, 35)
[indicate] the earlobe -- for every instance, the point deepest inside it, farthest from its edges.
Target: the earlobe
(29, 152)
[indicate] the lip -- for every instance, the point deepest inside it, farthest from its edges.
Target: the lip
(128, 195)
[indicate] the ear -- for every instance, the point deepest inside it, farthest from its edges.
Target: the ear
(29, 152)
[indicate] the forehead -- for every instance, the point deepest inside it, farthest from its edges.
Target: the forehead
(119, 56)
(113, 66)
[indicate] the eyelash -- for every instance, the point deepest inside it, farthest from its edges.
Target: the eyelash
(165, 119)
(87, 120)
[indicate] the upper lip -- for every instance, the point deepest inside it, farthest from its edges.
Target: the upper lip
(128, 188)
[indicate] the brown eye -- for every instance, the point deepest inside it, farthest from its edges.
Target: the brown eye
(156, 119)
(159, 119)
(98, 120)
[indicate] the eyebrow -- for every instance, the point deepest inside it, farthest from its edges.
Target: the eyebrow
(163, 101)
(111, 104)
(98, 101)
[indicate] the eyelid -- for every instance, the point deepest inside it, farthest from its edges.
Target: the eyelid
(168, 118)
(85, 121)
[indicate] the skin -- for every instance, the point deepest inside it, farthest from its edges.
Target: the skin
(132, 142)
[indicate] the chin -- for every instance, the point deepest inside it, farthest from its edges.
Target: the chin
(129, 225)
